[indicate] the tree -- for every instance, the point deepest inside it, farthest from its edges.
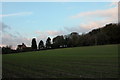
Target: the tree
(102, 38)
(41, 45)
(7, 49)
(34, 44)
(58, 41)
(74, 39)
(82, 40)
(48, 43)
(113, 32)
(66, 39)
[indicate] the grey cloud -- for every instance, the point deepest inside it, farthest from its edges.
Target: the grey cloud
(78, 29)
(14, 38)
(10, 39)
(3, 27)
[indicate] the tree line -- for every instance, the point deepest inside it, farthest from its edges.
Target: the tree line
(109, 34)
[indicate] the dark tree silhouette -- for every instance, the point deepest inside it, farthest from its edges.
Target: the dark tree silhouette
(41, 45)
(66, 38)
(6, 50)
(58, 41)
(74, 39)
(34, 44)
(48, 43)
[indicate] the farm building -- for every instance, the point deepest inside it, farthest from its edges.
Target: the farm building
(21, 47)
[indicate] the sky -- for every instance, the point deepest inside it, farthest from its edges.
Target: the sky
(22, 21)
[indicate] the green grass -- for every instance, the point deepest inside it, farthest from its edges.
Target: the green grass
(85, 62)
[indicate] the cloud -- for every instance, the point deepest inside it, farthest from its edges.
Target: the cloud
(86, 27)
(108, 13)
(78, 29)
(3, 27)
(43, 35)
(13, 39)
(113, 4)
(10, 39)
(50, 32)
(83, 28)
(95, 19)
(16, 14)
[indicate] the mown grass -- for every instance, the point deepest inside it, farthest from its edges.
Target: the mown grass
(78, 62)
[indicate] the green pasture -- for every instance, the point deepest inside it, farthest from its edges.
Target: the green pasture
(78, 62)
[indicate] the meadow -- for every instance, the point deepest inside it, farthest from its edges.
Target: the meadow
(78, 62)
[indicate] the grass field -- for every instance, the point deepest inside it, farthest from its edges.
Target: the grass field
(84, 62)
